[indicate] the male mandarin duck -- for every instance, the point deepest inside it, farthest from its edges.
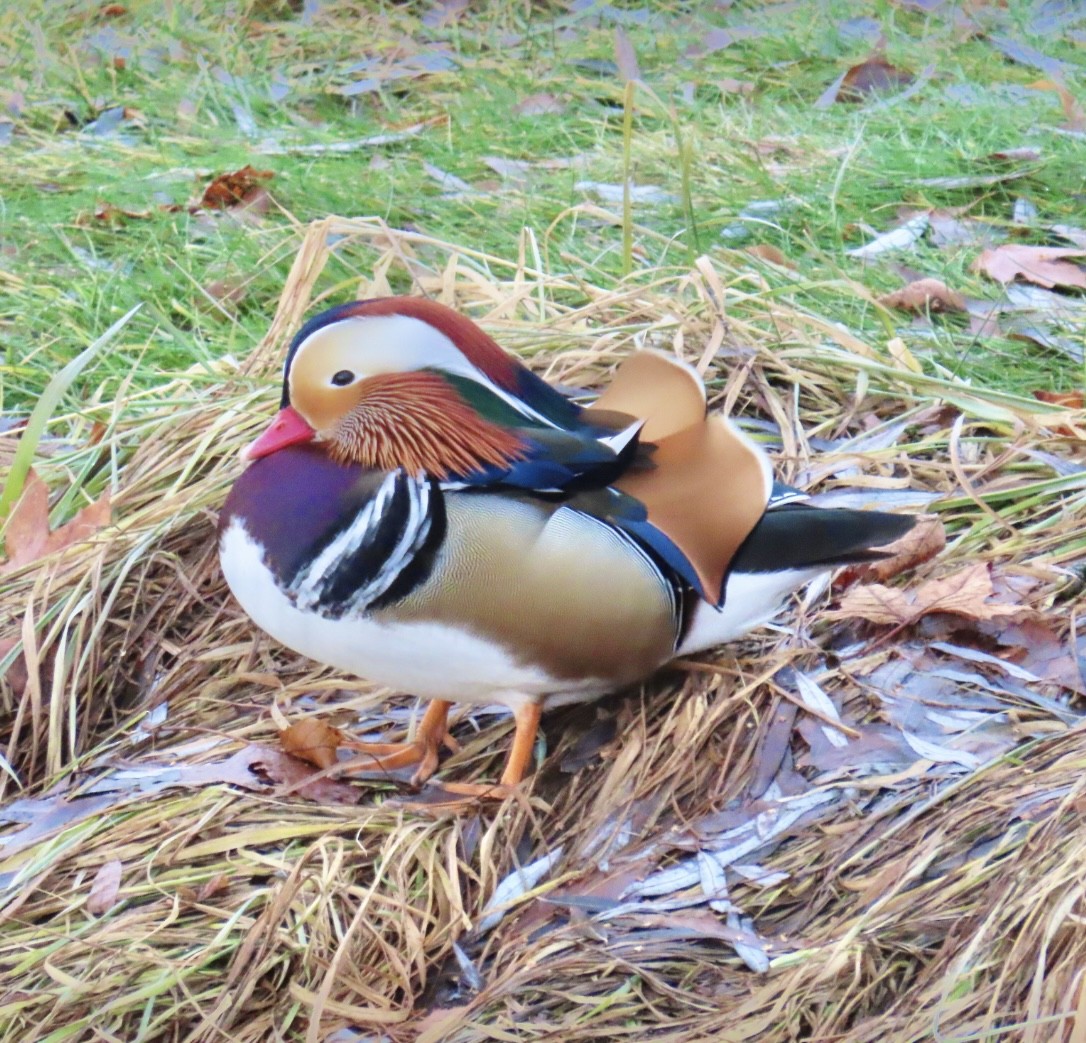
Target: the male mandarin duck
(427, 513)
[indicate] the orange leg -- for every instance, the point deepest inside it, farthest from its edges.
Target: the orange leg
(453, 794)
(520, 754)
(423, 750)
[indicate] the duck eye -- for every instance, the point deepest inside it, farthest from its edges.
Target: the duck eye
(343, 378)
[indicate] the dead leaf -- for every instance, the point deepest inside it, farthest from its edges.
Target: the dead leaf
(16, 674)
(254, 767)
(108, 122)
(921, 543)
(27, 537)
(719, 39)
(112, 10)
(103, 892)
(255, 203)
(744, 88)
(625, 56)
(949, 228)
(1023, 154)
(1041, 651)
(965, 593)
(1043, 265)
(1076, 117)
(1044, 337)
(451, 185)
(107, 213)
(616, 193)
(28, 526)
(445, 13)
(226, 291)
(765, 252)
(874, 76)
(1028, 312)
(924, 295)
(540, 105)
(923, 6)
(394, 66)
(957, 181)
(210, 888)
(901, 238)
(860, 30)
(1070, 399)
(1024, 213)
(312, 740)
(229, 190)
(1069, 233)
(1024, 54)
(588, 745)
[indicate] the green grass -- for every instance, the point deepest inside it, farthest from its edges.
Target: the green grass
(64, 277)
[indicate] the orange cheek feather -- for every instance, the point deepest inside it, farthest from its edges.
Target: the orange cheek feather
(417, 421)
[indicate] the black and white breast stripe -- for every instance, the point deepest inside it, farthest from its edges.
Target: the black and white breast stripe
(361, 561)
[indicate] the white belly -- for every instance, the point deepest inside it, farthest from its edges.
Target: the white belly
(430, 660)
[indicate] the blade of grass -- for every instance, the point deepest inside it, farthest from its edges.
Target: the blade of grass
(43, 410)
(627, 201)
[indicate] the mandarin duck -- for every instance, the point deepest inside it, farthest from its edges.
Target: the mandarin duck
(428, 514)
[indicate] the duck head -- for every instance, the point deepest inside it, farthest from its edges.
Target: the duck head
(402, 382)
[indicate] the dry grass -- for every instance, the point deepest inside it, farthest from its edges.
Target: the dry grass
(930, 897)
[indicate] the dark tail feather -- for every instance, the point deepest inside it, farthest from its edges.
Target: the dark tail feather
(798, 536)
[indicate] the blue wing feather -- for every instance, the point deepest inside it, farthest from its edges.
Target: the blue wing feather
(561, 460)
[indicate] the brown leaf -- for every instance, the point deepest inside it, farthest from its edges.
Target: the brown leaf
(28, 537)
(1042, 651)
(766, 252)
(625, 56)
(103, 892)
(28, 526)
(873, 76)
(226, 291)
(210, 888)
(1043, 265)
(256, 201)
(1070, 399)
(965, 593)
(986, 324)
(744, 88)
(949, 228)
(1076, 117)
(312, 740)
(1023, 154)
(539, 105)
(924, 295)
(107, 213)
(287, 771)
(228, 190)
(921, 543)
(16, 674)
